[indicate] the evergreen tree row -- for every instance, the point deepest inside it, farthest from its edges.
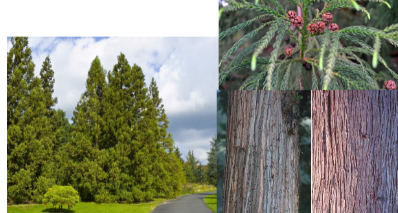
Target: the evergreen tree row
(195, 172)
(116, 149)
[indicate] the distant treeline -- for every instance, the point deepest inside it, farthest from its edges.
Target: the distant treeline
(116, 149)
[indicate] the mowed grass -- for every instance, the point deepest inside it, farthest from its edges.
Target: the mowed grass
(89, 207)
(211, 202)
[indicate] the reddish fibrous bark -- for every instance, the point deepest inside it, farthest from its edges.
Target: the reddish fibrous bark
(354, 151)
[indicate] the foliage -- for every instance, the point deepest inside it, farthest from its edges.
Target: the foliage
(61, 196)
(120, 149)
(212, 162)
(30, 142)
(331, 65)
(103, 196)
(190, 167)
(42, 185)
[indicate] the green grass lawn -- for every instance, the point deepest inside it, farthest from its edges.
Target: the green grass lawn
(211, 202)
(88, 207)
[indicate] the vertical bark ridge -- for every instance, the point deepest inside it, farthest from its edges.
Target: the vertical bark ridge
(262, 159)
(355, 151)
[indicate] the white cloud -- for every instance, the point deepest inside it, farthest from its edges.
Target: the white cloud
(9, 45)
(196, 140)
(187, 74)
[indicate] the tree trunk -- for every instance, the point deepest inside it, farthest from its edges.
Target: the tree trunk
(262, 152)
(355, 151)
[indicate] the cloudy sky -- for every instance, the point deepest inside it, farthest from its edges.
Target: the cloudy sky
(185, 70)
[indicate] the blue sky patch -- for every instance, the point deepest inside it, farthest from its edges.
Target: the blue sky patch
(156, 66)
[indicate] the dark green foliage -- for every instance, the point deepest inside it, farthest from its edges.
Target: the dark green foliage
(200, 174)
(212, 162)
(170, 174)
(103, 196)
(322, 50)
(61, 196)
(178, 154)
(41, 187)
(30, 142)
(119, 148)
(47, 78)
(82, 150)
(190, 168)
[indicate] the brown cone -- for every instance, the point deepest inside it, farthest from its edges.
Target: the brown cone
(291, 14)
(390, 85)
(312, 28)
(297, 21)
(320, 27)
(327, 17)
(333, 27)
(288, 50)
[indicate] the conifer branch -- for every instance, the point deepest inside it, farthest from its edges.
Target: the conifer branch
(274, 54)
(285, 79)
(331, 59)
(264, 42)
(241, 42)
(323, 48)
(246, 5)
(313, 39)
(240, 26)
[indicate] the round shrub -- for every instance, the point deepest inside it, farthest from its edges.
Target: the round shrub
(61, 196)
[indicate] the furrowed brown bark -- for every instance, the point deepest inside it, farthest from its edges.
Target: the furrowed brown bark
(262, 153)
(355, 151)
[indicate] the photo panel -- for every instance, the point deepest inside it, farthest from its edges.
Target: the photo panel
(263, 150)
(354, 151)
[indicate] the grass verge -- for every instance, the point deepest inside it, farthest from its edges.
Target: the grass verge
(194, 188)
(89, 207)
(211, 202)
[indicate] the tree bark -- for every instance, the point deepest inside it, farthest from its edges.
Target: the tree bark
(355, 151)
(261, 171)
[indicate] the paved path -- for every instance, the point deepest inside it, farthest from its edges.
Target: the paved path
(187, 203)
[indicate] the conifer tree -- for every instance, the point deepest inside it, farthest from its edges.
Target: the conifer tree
(47, 78)
(149, 170)
(83, 149)
(178, 154)
(131, 127)
(29, 146)
(172, 176)
(200, 174)
(190, 167)
(118, 132)
(165, 139)
(212, 162)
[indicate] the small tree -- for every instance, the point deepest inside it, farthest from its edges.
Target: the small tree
(314, 43)
(61, 196)
(212, 162)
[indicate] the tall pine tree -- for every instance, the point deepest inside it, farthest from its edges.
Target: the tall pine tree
(170, 172)
(83, 170)
(29, 142)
